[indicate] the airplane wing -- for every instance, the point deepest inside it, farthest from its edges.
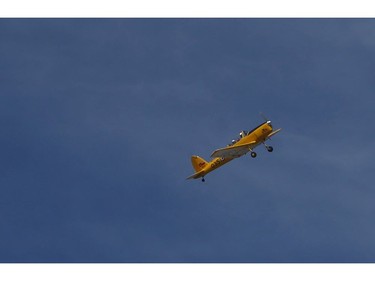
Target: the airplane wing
(233, 151)
(273, 133)
(196, 175)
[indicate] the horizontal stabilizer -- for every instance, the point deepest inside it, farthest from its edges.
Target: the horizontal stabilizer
(196, 175)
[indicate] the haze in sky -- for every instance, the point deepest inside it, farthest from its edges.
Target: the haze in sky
(99, 118)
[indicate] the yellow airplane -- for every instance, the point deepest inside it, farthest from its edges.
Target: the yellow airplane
(246, 143)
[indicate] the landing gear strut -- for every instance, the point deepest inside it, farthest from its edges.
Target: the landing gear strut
(268, 147)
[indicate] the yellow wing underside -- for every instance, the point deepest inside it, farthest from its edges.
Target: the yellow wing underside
(233, 151)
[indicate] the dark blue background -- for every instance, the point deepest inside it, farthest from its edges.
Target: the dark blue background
(99, 119)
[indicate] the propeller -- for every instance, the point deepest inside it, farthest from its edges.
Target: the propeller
(265, 118)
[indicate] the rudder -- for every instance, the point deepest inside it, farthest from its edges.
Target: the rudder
(198, 163)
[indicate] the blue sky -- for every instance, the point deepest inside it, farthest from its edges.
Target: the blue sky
(99, 119)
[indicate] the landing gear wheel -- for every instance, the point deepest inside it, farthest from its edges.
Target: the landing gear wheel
(253, 154)
(203, 180)
(269, 148)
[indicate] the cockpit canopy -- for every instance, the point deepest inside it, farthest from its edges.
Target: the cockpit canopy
(242, 135)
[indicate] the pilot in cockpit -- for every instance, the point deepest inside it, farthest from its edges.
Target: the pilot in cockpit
(243, 134)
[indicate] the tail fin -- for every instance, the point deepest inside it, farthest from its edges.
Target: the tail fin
(198, 163)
